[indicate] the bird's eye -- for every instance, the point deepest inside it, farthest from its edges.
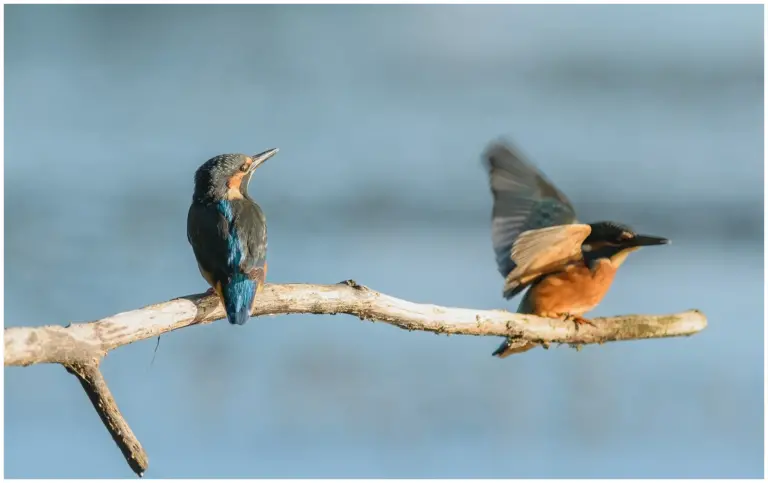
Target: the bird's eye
(244, 168)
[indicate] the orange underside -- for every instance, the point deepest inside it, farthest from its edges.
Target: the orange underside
(575, 291)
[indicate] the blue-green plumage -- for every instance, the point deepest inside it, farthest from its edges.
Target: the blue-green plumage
(239, 291)
(228, 231)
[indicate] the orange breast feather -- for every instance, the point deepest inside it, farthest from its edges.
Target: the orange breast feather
(576, 290)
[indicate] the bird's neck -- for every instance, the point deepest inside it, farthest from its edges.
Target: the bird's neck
(214, 194)
(604, 270)
(243, 192)
(618, 258)
(615, 255)
(211, 188)
(208, 193)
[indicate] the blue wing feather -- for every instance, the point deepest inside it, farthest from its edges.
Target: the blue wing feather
(246, 248)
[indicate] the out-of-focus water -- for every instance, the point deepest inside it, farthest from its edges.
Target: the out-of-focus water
(649, 115)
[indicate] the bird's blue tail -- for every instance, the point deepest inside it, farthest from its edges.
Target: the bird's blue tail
(238, 296)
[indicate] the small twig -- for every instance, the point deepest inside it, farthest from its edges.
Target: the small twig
(155, 352)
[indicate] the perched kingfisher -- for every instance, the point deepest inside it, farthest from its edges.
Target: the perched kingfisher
(228, 231)
(568, 266)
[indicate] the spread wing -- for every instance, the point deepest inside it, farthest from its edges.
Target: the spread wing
(546, 250)
(523, 199)
(208, 232)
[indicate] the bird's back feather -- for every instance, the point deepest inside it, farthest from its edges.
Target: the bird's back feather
(208, 232)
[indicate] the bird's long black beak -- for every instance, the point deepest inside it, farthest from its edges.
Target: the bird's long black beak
(645, 241)
(258, 159)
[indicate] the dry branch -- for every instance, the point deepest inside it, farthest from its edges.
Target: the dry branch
(98, 392)
(80, 347)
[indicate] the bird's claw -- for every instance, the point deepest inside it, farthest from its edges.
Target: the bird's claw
(578, 320)
(582, 321)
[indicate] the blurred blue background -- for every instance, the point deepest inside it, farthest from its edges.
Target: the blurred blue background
(649, 115)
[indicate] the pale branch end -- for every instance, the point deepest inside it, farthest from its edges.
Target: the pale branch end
(80, 347)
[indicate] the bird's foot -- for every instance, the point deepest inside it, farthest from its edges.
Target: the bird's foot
(582, 321)
(577, 319)
(209, 292)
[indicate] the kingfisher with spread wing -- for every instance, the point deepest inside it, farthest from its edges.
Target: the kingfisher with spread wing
(567, 266)
(228, 231)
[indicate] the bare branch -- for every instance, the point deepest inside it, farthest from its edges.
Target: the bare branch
(96, 388)
(80, 347)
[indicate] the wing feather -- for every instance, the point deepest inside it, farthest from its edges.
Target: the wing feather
(547, 250)
(252, 233)
(537, 249)
(523, 199)
(543, 251)
(207, 232)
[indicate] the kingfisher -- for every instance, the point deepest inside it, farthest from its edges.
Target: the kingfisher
(228, 231)
(566, 265)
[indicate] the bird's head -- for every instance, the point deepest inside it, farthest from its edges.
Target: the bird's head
(226, 176)
(615, 241)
